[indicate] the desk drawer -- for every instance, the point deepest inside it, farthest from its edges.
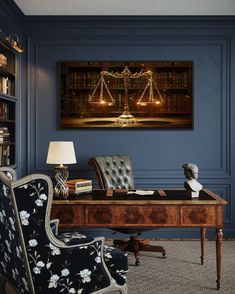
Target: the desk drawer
(131, 215)
(69, 215)
(198, 215)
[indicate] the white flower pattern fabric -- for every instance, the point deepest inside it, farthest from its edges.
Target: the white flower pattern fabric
(85, 275)
(11, 257)
(115, 259)
(54, 269)
(77, 269)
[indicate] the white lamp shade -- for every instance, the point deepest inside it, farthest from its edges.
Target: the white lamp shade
(61, 152)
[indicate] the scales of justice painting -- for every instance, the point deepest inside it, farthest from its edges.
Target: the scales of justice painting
(126, 94)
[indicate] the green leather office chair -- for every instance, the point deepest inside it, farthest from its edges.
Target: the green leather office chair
(116, 172)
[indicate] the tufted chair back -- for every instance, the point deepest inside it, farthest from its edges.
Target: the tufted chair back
(113, 171)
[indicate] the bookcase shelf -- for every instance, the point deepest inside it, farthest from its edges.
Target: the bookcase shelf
(8, 101)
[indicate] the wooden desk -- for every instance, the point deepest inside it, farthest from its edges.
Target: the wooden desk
(132, 211)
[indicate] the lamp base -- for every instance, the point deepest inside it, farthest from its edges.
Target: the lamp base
(61, 175)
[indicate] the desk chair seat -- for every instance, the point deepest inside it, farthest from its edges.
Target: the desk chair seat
(116, 172)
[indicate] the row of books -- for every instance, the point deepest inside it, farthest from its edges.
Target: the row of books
(83, 79)
(177, 103)
(4, 110)
(104, 65)
(79, 186)
(174, 102)
(175, 79)
(5, 86)
(164, 79)
(5, 155)
(4, 135)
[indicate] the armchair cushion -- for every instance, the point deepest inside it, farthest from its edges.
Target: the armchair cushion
(115, 259)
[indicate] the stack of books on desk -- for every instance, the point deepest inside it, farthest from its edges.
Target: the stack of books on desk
(79, 186)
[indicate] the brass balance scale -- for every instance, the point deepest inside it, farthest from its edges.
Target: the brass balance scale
(154, 96)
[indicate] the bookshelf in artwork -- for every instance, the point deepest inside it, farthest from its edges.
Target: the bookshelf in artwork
(79, 78)
(8, 102)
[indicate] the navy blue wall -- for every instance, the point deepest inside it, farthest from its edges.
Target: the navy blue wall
(157, 155)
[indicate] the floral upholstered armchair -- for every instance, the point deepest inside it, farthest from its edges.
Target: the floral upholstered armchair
(36, 261)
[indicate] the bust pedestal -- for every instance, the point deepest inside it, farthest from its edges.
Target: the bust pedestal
(192, 194)
(193, 188)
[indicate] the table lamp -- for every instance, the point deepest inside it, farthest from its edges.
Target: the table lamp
(61, 152)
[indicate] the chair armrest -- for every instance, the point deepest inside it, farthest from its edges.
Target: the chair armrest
(9, 172)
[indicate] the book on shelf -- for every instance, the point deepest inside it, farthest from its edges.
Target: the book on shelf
(3, 61)
(4, 135)
(4, 139)
(79, 186)
(3, 130)
(5, 155)
(4, 110)
(5, 85)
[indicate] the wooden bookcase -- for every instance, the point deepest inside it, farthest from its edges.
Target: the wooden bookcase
(8, 102)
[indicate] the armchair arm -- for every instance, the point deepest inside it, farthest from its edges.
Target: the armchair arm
(10, 172)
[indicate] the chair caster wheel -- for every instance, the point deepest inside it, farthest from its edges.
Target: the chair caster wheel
(164, 255)
(137, 263)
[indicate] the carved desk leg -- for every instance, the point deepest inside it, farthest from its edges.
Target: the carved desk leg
(203, 235)
(219, 237)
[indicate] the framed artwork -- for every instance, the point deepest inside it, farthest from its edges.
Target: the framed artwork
(126, 94)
